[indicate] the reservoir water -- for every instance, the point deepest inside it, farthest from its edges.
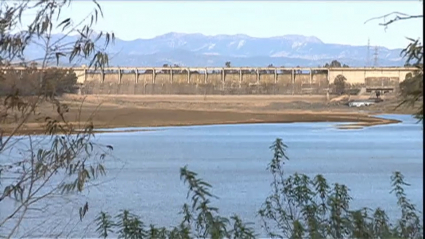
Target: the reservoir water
(144, 177)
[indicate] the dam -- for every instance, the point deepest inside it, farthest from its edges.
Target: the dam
(236, 80)
(242, 80)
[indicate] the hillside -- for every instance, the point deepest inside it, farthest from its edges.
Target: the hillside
(240, 50)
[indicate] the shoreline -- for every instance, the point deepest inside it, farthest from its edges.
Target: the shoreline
(380, 121)
(350, 120)
(108, 112)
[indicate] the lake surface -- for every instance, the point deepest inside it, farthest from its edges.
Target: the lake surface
(233, 158)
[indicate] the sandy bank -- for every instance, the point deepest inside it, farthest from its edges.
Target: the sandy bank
(108, 111)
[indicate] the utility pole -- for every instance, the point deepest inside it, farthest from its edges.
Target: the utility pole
(375, 62)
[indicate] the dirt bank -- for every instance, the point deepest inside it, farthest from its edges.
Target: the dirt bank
(112, 111)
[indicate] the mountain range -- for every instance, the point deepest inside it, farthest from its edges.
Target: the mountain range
(241, 50)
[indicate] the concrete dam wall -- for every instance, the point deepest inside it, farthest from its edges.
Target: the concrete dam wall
(234, 81)
(201, 83)
(237, 80)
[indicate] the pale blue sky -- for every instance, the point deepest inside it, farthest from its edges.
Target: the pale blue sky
(339, 22)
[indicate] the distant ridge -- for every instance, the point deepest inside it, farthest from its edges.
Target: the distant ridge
(241, 50)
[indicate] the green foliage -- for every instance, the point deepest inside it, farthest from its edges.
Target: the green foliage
(411, 92)
(69, 160)
(104, 225)
(304, 207)
(47, 14)
(411, 89)
(340, 83)
(200, 219)
(335, 63)
(298, 207)
(59, 81)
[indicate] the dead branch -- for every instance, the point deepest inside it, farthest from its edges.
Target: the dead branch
(399, 17)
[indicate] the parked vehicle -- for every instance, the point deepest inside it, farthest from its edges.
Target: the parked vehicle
(360, 103)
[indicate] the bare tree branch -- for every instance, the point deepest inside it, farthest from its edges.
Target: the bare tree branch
(399, 16)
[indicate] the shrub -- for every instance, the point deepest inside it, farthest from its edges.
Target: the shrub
(298, 207)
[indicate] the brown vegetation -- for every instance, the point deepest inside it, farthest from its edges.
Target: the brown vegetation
(55, 81)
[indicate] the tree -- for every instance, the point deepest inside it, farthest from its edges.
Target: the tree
(165, 71)
(411, 89)
(228, 64)
(67, 162)
(57, 81)
(339, 83)
(335, 63)
(378, 93)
